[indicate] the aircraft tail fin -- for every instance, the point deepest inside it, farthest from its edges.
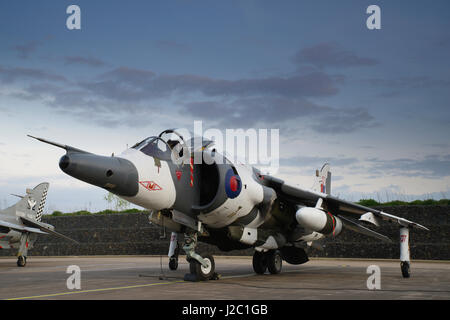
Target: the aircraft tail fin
(32, 204)
(323, 180)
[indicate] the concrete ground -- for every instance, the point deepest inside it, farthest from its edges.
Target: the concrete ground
(139, 277)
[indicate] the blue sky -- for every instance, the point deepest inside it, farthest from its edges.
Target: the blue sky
(374, 103)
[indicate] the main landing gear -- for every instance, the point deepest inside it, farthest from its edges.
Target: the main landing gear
(270, 260)
(201, 268)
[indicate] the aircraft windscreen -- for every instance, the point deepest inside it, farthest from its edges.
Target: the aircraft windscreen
(154, 147)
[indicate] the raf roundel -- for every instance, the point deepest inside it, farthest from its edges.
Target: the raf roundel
(233, 185)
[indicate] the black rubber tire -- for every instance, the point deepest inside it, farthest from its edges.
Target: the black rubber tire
(259, 262)
(274, 261)
(406, 270)
(173, 263)
(21, 261)
(196, 268)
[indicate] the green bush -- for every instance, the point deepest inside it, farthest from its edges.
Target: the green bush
(368, 203)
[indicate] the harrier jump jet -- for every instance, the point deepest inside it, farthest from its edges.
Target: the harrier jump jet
(230, 205)
(21, 223)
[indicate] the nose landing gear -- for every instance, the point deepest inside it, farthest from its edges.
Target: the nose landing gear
(201, 268)
(202, 273)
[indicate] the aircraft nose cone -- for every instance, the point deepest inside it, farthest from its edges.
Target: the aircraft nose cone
(114, 174)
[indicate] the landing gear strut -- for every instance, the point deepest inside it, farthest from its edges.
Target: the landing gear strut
(404, 252)
(174, 251)
(267, 260)
(201, 268)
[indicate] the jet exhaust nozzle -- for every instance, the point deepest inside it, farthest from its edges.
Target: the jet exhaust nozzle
(114, 174)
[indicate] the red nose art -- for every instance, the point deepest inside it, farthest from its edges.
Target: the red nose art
(233, 184)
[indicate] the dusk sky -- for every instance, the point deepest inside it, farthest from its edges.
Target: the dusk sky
(373, 103)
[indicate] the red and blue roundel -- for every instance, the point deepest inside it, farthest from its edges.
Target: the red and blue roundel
(233, 184)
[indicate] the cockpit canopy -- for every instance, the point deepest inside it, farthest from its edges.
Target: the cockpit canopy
(154, 147)
(170, 140)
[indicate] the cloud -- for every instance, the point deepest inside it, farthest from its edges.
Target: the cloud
(24, 50)
(329, 54)
(438, 145)
(135, 84)
(89, 61)
(413, 82)
(12, 74)
(249, 112)
(245, 102)
(308, 161)
(345, 121)
(384, 194)
(241, 103)
(431, 166)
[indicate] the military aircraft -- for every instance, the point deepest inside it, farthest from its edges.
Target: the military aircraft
(21, 223)
(229, 205)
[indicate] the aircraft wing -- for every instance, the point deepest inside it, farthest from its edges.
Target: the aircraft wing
(17, 227)
(333, 204)
(46, 228)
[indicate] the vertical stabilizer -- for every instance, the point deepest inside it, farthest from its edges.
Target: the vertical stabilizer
(323, 180)
(32, 204)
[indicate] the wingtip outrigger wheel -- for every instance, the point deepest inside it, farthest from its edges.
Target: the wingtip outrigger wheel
(404, 252)
(404, 265)
(23, 249)
(174, 251)
(173, 263)
(21, 261)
